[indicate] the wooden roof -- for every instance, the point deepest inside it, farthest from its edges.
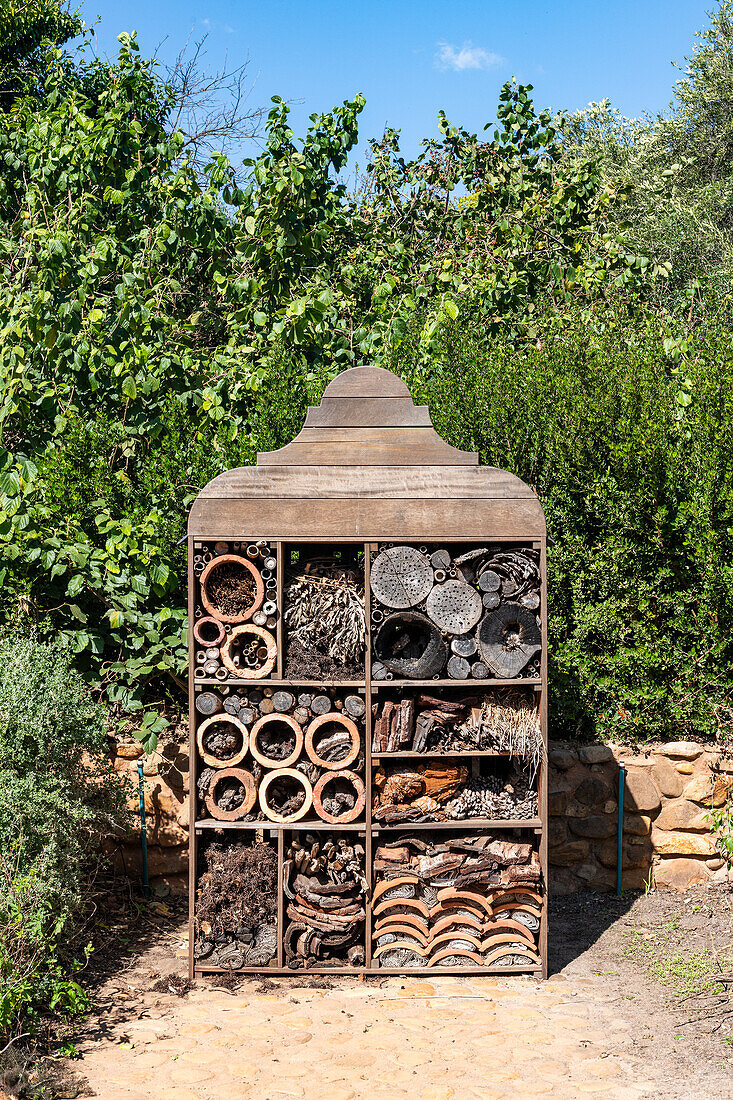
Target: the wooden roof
(367, 465)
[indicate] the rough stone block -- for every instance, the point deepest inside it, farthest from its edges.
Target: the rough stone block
(667, 778)
(564, 881)
(593, 791)
(678, 874)
(595, 754)
(709, 790)
(685, 769)
(633, 855)
(129, 750)
(596, 876)
(637, 824)
(562, 759)
(595, 826)
(640, 792)
(682, 814)
(688, 750)
(557, 802)
(557, 832)
(636, 878)
(572, 852)
(682, 844)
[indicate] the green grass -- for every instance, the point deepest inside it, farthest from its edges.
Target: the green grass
(685, 972)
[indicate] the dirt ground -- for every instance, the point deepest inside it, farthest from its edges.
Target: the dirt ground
(634, 1008)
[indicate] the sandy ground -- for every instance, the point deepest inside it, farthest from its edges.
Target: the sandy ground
(601, 1026)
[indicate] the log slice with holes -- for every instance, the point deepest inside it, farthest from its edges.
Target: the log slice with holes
(401, 576)
(508, 638)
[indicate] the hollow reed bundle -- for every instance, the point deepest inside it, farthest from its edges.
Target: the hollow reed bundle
(509, 722)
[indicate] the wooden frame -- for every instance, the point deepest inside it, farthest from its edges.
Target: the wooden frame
(367, 468)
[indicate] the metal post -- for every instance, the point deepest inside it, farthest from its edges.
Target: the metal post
(143, 829)
(619, 852)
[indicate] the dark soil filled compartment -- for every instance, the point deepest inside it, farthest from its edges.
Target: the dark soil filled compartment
(235, 924)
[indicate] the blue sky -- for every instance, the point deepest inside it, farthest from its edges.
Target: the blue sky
(410, 59)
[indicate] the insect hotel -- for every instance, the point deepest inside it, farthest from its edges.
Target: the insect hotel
(368, 696)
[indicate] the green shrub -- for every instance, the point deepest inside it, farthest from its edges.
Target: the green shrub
(625, 430)
(60, 795)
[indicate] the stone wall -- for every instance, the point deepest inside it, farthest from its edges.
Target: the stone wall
(667, 838)
(668, 793)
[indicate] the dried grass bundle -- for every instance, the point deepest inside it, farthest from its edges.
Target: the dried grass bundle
(508, 722)
(325, 612)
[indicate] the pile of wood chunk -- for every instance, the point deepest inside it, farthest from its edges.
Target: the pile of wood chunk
(442, 790)
(324, 884)
(464, 901)
(506, 721)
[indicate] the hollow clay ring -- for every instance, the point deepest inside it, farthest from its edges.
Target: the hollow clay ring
(267, 720)
(272, 814)
(209, 623)
(250, 673)
(243, 563)
(356, 809)
(250, 794)
(217, 761)
(337, 719)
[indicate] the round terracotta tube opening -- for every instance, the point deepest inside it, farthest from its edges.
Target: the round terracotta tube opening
(231, 588)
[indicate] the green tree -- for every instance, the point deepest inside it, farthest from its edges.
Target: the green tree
(29, 30)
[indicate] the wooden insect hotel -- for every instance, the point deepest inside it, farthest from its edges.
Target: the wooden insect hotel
(368, 696)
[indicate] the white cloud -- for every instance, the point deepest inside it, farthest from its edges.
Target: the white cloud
(467, 57)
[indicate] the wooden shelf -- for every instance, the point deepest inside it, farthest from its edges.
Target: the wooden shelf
(236, 681)
(528, 681)
(310, 826)
(467, 824)
(431, 754)
(374, 971)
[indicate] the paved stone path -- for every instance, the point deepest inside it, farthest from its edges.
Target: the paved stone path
(395, 1037)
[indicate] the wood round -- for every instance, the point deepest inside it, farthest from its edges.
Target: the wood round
(207, 621)
(269, 720)
(262, 670)
(356, 809)
(244, 563)
(250, 794)
(337, 719)
(217, 720)
(283, 819)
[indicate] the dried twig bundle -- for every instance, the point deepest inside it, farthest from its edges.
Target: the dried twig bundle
(326, 611)
(509, 722)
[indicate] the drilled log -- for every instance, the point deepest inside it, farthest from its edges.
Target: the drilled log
(207, 703)
(283, 701)
(355, 706)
